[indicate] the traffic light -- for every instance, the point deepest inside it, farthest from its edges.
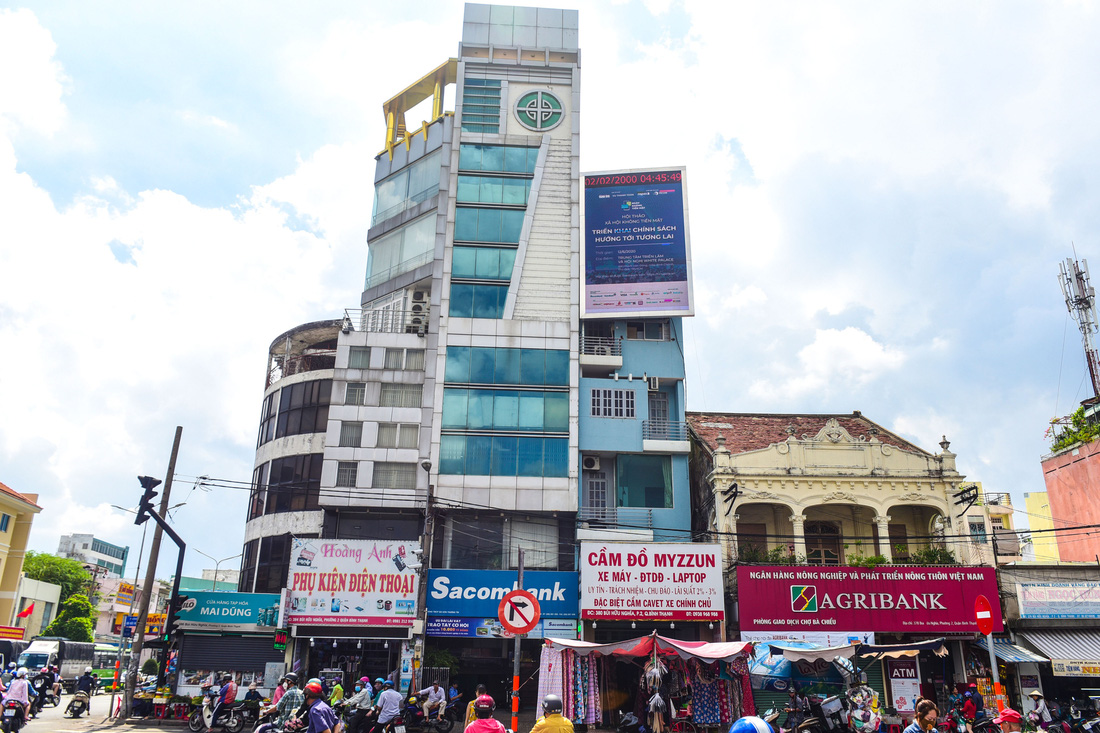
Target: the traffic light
(175, 608)
(146, 505)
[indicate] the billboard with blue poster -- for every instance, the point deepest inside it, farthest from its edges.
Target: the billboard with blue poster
(477, 593)
(490, 628)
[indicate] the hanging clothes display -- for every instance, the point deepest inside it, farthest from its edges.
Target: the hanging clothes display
(550, 672)
(573, 678)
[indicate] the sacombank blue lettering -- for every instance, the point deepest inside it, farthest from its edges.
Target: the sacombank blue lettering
(478, 592)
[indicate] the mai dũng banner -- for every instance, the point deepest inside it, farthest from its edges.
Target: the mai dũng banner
(352, 582)
(894, 598)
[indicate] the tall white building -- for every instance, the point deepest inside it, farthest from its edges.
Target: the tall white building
(88, 549)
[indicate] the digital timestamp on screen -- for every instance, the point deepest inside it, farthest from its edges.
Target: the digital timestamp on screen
(634, 179)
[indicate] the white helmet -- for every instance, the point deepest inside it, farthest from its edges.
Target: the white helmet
(87, 670)
(21, 672)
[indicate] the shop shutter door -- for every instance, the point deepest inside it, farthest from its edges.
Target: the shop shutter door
(877, 682)
(768, 699)
(228, 652)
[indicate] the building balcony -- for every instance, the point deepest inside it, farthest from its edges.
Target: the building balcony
(386, 320)
(665, 436)
(601, 353)
(610, 524)
(291, 365)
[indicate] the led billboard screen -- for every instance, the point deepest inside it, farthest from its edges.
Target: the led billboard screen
(637, 258)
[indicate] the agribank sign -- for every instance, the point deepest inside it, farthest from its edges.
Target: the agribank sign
(895, 599)
(654, 580)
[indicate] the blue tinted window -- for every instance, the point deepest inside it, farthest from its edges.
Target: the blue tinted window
(495, 158)
(557, 367)
(482, 363)
(507, 367)
(462, 300)
(458, 364)
(479, 414)
(504, 456)
(482, 263)
(474, 224)
(478, 450)
(452, 454)
(465, 224)
(529, 456)
(506, 410)
(455, 406)
(556, 457)
(488, 225)
(533, 366)
(489, 300)
(557, 412)
(531, 410)
(469, 157)
(511, 225)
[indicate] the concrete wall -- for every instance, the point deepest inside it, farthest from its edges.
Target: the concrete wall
(1071, 478)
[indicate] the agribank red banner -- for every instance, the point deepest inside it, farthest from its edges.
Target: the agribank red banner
(899, 599)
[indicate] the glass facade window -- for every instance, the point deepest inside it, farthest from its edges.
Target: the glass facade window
(481, 105)
(347, 472)
(402, 395)
(477, 544)
(478, 301)
(501, 455)
(480, 224)
(394, 475)
(500, 409)
(288, 484)
(356, 393)
(358, 357)
(401, 251)
(497, 159)
(493, 190)
(267, 419)
(393, 435)
(351, 434)
(303, 408)
(482, 263)
(269, 563)
(613, 403)
(644, 481)
(406, 188)
(487, 365)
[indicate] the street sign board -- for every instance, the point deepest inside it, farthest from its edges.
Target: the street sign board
(983, 614)
(519, 612)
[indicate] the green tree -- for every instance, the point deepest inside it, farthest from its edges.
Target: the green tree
(69, 574)
(150, 666)
(74, 620)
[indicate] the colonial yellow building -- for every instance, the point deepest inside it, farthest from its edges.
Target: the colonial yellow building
(16, 514)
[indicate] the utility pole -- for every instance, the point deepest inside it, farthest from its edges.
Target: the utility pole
(1081, 303)
(516, 655)
(150, 578)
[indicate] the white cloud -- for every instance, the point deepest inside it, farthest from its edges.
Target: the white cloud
(32, 84)
(197, 118)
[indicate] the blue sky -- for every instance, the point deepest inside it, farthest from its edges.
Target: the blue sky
(879, 198)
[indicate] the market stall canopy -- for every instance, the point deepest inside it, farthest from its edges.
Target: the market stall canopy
(881, 651)
(820, 654)
(766, 664)
(642, 646)
(1006, 651)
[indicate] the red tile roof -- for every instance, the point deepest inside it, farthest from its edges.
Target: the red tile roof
(13, 493)
(746, 432)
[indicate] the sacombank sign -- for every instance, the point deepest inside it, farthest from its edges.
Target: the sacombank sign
(478, 592)
(894, 598)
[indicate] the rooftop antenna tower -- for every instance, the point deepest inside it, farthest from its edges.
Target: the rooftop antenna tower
(1081, 302)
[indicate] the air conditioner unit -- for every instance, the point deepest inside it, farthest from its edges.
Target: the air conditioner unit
(601, 350)
(590, 463)
(419, 308)
(420, 296)
(654, 384)
(416, 324)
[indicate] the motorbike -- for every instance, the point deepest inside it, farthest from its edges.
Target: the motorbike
(203, 716)
(412, 718)
(77, 705)
(14, 716)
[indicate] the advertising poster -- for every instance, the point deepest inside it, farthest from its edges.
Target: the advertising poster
(490, 628)
(894, 599)
(125, 594)
(652, 580)
(243, 611)
(352, 582)
(822, 639)
(904, 684)
(637, 255)
(127, 623)
(472, 593)
(1059, 600)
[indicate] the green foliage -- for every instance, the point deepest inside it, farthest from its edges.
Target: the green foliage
(858, 560)
(441, 658)
(69, 574)
(150, 666)
(751, 554)
(932, 555)
(1080, 430)
(75, 620)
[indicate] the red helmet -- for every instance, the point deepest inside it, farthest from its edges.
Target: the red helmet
(314, 689)
(484, 706)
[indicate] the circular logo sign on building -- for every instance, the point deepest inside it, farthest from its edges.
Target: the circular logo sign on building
(539, 111)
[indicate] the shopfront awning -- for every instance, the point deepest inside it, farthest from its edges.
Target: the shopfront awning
(1072, 653)
(1006, 651)
(644, 646)
(879, 651)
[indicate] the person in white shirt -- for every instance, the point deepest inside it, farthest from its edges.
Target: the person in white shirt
(19, 689)
(388, 704)
(437, 700)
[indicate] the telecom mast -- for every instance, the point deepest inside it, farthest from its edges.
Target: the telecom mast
(1081, 302)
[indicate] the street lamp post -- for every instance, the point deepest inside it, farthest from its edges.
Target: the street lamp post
(217, 563)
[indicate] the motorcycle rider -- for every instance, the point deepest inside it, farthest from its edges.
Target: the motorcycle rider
(56, 681)
(436, 700)
(286, 707)
(19, 689)
(360, 704)
(925, 718)
(471, 714)
(552, 721)
(798, 707)
(8, 673)
(751, 724)
(86, 683)
(1041, 708)
(320, 716)
(226, 697)
(979, 702)
(40, 683)
(389, 706)
(484, 722)
(1010, 721)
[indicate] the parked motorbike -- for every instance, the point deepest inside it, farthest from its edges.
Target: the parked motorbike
(413, 718)
(14, 716)
(78, 705)
(203, 717)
